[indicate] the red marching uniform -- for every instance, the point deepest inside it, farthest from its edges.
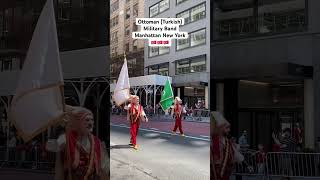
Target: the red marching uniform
(178, 117)
(224, 152)
(135, 113)
(83, 169)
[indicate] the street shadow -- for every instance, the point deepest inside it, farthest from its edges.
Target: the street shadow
(171, 139)
(125, 146)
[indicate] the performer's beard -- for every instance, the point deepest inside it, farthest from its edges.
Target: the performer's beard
(86, 127)
(226, 134)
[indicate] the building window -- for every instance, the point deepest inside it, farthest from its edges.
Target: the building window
(180, 1)
(163, 50)
(15, 64)
(242, 19)
(193, 14)
(191, 65)
(112, 68)
(183, 43)
(135, 45)
(164, 69)
(128, 13)
(153, 70)
(160, 69)
(114, 51)
(114, 6)
(198, 38)
(156, 51)
(185, 15)
(114, 21)
(153, 51)
(127, 30)
(159, 8)
(132, 62)
(1, 23)
(114, 37)
(135, 10)
(6, 65)
(164, 5)
(127, 47)
(66, 1)
(195, 39)
(134, 27)
(154, 10)
(64, 14)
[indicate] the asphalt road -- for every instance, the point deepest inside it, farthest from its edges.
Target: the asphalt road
(160, 156)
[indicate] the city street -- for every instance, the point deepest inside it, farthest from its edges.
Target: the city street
(192, 128)
(160, 155)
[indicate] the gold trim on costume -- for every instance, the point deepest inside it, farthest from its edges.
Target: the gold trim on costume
(92, 155)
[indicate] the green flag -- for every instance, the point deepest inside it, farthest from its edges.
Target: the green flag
(167, 96)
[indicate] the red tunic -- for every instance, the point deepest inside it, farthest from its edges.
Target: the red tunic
(178, 122)
(222, 157)
(135, 117)
(80, 171)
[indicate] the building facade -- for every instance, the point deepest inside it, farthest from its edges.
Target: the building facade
(187, 61)
(122, 23)
(265, 67)
(83, 41)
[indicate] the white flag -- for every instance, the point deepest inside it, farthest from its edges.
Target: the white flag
(122, 89)
(38, 101)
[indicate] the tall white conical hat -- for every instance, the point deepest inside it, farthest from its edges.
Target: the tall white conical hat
(219, 119)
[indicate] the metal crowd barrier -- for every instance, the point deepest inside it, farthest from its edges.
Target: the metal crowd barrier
(293, 164)
(194, 115)
(279, 164)
(25, 157)
(253, 165)
(197, 114)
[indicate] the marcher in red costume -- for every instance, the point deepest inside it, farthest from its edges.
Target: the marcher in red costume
(135, 115)
(224, 151)
(178, 111)
(81, 155)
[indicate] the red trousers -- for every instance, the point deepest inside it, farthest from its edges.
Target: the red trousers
(178, 124)
(134, 131)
